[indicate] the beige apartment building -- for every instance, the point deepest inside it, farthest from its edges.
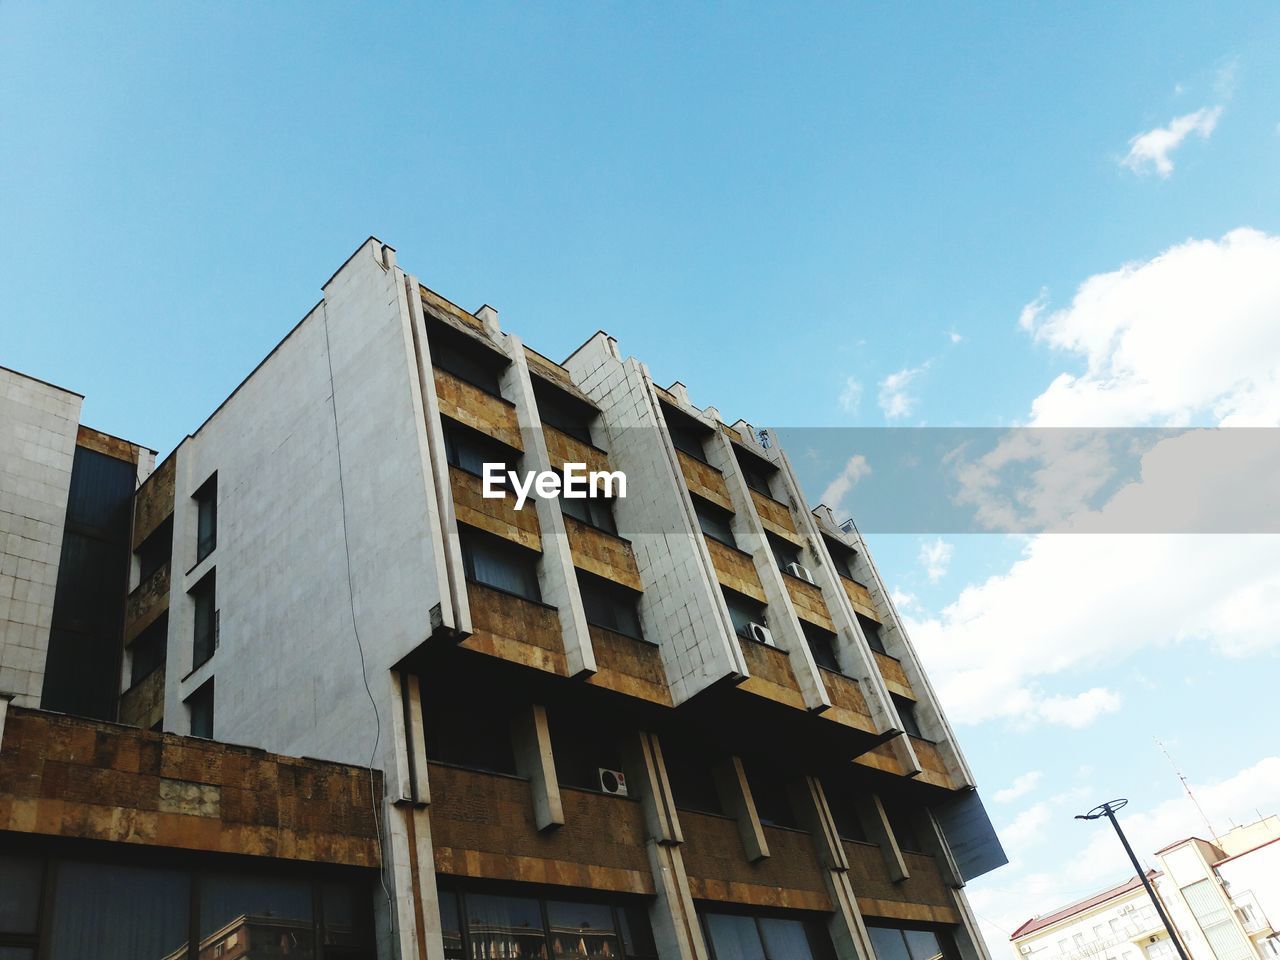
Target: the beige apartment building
(344, 704)
(1223, 897)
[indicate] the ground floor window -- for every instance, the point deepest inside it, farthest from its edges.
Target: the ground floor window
(903, 943)
(734, 936)
(480, 923)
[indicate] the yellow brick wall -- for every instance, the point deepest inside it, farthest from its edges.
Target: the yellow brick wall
(735, 569)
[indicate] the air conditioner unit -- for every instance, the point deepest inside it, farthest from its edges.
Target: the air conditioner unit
(1025, 948)
(796, 570)
(760, 633)
(612, 781)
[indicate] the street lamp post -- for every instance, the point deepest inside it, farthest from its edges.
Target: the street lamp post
(1108, 810)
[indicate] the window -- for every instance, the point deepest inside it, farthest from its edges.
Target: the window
(900, 943)
(155, 551)
(21, 881)
(784, 551)
(743, 611)
(583, 746)
(609, 605)
(566, 413)
(467, 360)
(483, 924)
(743, 937)
(756, 472)
(773, 806)
(468, 727)
(822, 644)
(842, 803)
(206, 518)
(200, 708)
(470, 450)
(498, 563)
(871, 630)
(147, 651)
(110, 911)
(686, 433)
(715, 522)
(235, 908)
(206, 619)
(693, 785)
(593, 511)
(901, 814)
(907, 712)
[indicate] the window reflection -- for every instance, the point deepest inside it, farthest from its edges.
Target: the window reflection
(239, 915)
(105, 912)
(505, 927)
(582, 930)
(896, 943)
(735, 938)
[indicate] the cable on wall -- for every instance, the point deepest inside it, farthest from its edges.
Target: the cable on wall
(355, 629)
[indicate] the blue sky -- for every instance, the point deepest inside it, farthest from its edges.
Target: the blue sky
(813, 216)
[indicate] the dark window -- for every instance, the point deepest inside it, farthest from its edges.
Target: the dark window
(902, 823)
(147, 651)
(595, 511)
(743, 611)
(451, 925)
(756, 472)
(715, 522)
(842, 802)
(897, 943)
(20, 879)
(566, 413)
(456, 353)
(259, 910)
(693, 785)
(686, 433)
(768, 790)
(609, 605)
(206, 518)
(505, 926)
(114, 912)
(498, 563)
(842, 555)
(784, 551)
(907, 712)
(468, 727)
(583, 746)
(582, 930)
(205, 596)
(742, 937)
(200, 706)
(871, 630)
(822, 644)
(155, 551)
(470, 450)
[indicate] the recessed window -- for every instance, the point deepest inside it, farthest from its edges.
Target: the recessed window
(689, 772)
(609, 605)
(843, 804)
(206, 619)
(901, 814)
(842, 555)
(785, 552)
(583, 745)
(907, 713)
(566, 413)
(742, 937)
(147, 651)
(743, 611)
(206, 518)
(715, 522)
(756, 472)
(897, 943)
(468, 726)
(593, 511)
(456, 353)
(155, 551)
(200, 711)
(871, 630)
(499, 563)
(687, 434)
(822, 644)
(470, 450)
(773, 806)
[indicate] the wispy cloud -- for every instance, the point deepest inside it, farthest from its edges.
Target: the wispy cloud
(851, 395)
(895, 397)
(954, 336)
(854, 470)
(1021, 786)
(935, 557)
(1153, 148)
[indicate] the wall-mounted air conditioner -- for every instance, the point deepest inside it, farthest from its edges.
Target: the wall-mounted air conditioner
(760, 633)
(612, 781)
(798, 570)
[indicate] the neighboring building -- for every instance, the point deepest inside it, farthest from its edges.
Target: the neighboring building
(684, 723)
(1223, 898)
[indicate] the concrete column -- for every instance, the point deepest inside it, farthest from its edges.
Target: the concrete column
(936, 845)
(673, 917)
(875, 823)
(736, 799)
(531, 738)
(556, 575)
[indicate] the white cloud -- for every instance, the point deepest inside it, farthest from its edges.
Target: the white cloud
(935, 557)
(954, 337)
(1152, 149)
(854, 470)
(1027, 827)
(901, 599)
(1021, 786)
(894, 398)
(1080, 710)
(851, 395)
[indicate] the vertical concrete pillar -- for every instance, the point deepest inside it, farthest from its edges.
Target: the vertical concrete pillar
(736, 799)
(673, 917)
(531, 738)
(936, 845)
(875, 822)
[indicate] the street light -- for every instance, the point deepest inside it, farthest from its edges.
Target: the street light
(1108, 810)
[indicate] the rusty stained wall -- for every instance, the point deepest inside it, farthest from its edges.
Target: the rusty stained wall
(808, 602)
(629, 666)
(146, 602)
(142, 705)
(894, 676)
(67, 777)
(515, 629)
(704, 480)
(923, 897)
(771, 675)
(435, 305)
(603, 554)
(718, 869)
(477, 409)
(933, 769)
(860, 597)
(562, 449)
(775, 517)
(482, 825)
(735, 569)
(498, 516)
(153, 503)
(848, 705)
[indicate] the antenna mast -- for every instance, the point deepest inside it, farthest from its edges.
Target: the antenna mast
(1213, 834)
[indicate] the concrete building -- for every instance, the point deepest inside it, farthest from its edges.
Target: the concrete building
(1223, 898)
(685, 723)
